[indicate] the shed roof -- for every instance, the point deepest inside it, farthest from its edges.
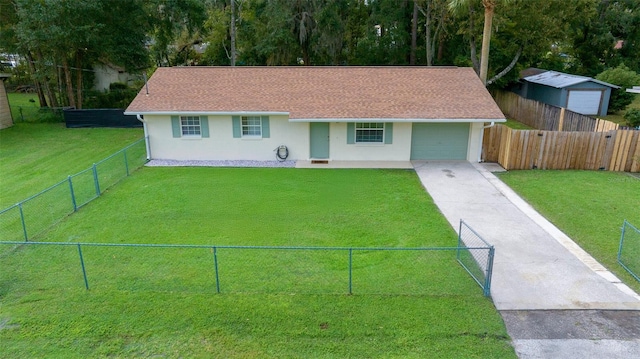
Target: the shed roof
(307, 93)
(562, 80)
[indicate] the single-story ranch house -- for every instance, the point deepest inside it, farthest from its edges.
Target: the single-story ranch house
(321, 114)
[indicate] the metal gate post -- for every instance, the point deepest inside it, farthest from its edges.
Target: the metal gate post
(95, 180)
(84, 271)
(24, 226)
(126, 162)
(350, 270)
(215, 264)
(489, 273)
(459, 240)
(624, 226)
(73, 196)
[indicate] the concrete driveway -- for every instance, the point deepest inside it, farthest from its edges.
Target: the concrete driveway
(536, 268)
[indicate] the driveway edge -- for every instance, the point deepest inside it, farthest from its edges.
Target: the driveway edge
(554, 231)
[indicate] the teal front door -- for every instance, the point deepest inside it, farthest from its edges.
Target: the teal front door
(319, 132)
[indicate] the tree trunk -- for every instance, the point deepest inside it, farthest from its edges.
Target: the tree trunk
(306, 58)
(435, 13)
(414, 34)
(474, 56)
(508, 68)
(472, 40)
(440, 48)
(45, 83)
(489, 8)
(79, 79)
(68, 82)
(59, 83)
(427, 36)
(232, 32)
(36, 81)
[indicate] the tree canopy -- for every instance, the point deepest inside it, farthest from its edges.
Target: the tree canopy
(62, 39)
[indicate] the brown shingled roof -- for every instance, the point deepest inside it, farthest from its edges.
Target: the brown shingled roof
(320, 92)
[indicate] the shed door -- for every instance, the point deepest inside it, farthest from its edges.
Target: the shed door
(584, 102)
(439, 141)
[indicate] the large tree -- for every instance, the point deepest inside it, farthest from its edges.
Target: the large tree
(489, 10)
(526, 31)
(176, 26)
(72, 36)
(605, 34)
(436, 20)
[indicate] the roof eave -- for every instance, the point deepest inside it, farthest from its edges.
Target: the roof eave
(407, 120)
(205, 113)
(578, 80)
(273, 113)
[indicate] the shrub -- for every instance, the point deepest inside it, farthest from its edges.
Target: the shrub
(625, 78)
(118, 96)
(633, 117)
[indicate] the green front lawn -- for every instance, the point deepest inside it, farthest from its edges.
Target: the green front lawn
(589, 206)
(147, 302)
(36, 156)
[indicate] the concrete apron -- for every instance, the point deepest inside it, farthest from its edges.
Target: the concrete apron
(536, 266)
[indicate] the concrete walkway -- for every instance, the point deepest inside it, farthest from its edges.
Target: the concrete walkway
(536, 266)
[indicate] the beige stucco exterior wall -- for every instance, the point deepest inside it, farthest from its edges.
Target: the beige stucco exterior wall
(221, 145)
(5, 112)
(398, 150)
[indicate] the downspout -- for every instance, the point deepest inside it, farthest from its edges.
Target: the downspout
(493, 123)
(146, 136)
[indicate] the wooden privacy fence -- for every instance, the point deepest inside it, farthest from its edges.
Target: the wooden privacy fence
(548, 117)
(617, 150)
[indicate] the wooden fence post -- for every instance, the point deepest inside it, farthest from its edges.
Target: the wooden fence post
(635, 162)
(561, 122)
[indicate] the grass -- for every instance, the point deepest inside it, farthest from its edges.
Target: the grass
(588, 206)
(25, 107)
(618, 117)
(38, 155)
(513, 124)
(148, 302)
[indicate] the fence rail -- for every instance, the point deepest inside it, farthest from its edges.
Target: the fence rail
(528, 149)
(389, 270)
(547, 117)
(629, 250)
(30, 217)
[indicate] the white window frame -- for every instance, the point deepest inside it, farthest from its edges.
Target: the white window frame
(367, 126)
(190, 126)
(249, 130)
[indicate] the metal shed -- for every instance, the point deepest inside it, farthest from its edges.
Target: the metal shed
(584, 95)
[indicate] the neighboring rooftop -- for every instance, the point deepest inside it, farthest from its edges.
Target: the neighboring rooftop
(635, 89)
(320, 92)
(561, 80)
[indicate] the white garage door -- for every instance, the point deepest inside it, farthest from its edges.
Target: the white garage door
(584, 102)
